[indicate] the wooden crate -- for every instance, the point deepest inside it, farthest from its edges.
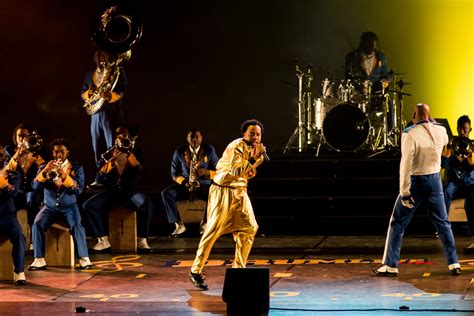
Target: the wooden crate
(123, 230)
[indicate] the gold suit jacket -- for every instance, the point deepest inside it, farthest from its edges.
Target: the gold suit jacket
(234, 169)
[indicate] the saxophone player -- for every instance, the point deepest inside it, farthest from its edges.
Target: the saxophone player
(110, 113)
(119, 177)
(191, 178)
(229, 208)
(62, 181)
(25, 156)
(460, 173)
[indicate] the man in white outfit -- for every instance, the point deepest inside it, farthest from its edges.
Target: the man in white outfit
(421, 145)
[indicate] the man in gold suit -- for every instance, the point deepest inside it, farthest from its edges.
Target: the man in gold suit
(229, 209)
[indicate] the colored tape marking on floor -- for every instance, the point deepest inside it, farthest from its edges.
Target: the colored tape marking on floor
(282, 275)
(117, 263)
(266, 262)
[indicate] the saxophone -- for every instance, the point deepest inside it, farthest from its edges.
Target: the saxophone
(193, 177)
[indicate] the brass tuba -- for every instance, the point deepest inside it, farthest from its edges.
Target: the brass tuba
(116, 32)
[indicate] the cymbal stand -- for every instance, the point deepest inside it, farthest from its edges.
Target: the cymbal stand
(401, 121)
(302, 131)
(380, 134)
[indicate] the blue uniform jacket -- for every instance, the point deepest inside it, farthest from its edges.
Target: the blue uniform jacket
(67, 193)
(354, 69)
(127, 181)
(207, 159)
(461, 173)
(7, 206)
(26, 179)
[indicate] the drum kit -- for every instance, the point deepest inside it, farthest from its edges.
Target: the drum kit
(348, 115)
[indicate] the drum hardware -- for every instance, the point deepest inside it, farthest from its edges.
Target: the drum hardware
(304, 130)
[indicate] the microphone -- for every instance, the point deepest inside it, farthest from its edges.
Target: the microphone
(265, 156)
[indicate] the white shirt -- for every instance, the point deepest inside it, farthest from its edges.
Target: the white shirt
(421, 147)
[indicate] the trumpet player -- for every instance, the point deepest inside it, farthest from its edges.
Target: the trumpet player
(9, 226)
(192, 168)
(111, 113)
(25, 156)
(459, 165)
(62, 181)
(119, 176)
(229, 208)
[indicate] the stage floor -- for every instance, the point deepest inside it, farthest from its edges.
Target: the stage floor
(309, 275)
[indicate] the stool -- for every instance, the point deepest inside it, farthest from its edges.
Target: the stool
(59, 246)
(6, 260)
(457, 212)
(123, 230)
(22, 217)
(191, 212)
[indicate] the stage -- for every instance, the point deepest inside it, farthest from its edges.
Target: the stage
(309, 275)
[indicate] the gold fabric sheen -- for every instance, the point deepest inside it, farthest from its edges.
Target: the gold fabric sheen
(229, 209)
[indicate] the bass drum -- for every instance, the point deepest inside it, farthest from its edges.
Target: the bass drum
(346, 127)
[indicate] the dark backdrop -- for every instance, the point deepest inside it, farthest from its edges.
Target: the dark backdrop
(209, 64)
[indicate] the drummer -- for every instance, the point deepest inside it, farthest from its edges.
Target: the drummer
(367, 62)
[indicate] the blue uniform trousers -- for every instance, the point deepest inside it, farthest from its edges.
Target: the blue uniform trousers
(47, 217)
(100, 123)
(31, 201)
(176, 192)
(96, 205)
(10, 228)
(428, 189)
(454, 190)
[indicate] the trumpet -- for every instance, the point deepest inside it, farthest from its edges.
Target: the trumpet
(53, 174)
(123, 144)
(32, 142)
(462, 147)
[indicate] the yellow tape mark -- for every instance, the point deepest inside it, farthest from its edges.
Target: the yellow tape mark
(333, 299)
(426, 294)
(124, 296)
(280, 294)
(104, 299)
(408, 298)
(283, 275)
(140, 276)
(427, 274)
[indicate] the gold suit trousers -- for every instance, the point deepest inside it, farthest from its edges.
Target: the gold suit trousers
(228, 211)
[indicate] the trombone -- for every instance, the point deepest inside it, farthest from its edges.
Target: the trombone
(123, 143)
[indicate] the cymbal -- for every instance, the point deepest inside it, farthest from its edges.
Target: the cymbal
(403, 83)
(393, 73)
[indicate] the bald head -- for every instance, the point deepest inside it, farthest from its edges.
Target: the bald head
(421, 112)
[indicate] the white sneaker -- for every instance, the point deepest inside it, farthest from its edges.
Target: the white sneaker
(142, 243)
(19, 279)
(85, 263)
(102, 243)
(386, 270)
(38, 264)
(180, 228)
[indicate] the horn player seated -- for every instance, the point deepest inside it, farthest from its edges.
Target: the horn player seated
(119, 176)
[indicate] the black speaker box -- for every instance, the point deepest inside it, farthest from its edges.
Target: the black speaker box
(247, 291)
